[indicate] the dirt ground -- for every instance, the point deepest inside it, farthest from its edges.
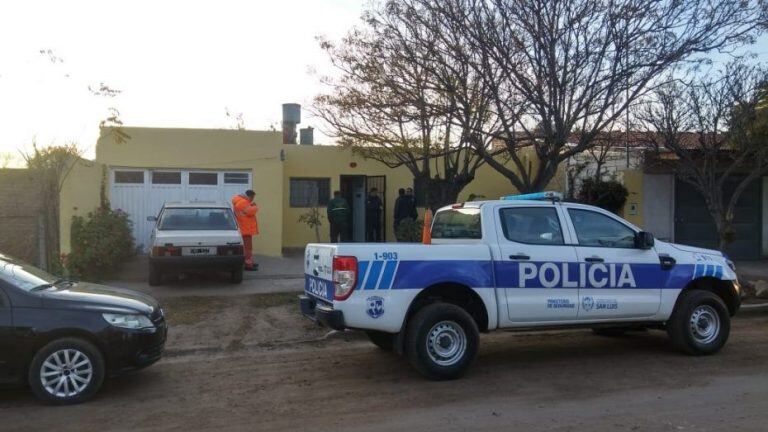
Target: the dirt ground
(276, 371)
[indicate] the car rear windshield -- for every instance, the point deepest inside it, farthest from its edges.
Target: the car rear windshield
(198, 219)
(457, 223)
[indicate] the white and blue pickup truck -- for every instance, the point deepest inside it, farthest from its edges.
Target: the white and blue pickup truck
(523, 262)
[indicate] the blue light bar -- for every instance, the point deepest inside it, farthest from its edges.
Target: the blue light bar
(538, 196)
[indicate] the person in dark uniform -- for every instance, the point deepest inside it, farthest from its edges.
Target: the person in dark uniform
(338, 213)
(373, 208)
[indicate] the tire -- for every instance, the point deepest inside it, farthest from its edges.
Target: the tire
(236, 276)
(700, 323)
(446, 323)
(155, 276)
(385, 341)
(609, 331)
(59, 390)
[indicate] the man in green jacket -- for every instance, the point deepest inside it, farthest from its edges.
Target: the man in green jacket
(338, 217)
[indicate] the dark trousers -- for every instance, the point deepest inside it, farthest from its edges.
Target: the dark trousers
(373, 231)
(338, 232)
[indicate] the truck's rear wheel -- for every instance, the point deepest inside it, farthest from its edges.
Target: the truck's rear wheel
(442, 341)
(700, 323)
(385, 341)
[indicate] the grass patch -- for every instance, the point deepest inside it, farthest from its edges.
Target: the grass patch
(192, 310)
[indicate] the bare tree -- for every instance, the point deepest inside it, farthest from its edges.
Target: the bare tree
(407, 96)
(711, 125)
(555, 66)
(51, 166)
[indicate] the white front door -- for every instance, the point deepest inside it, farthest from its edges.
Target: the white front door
(619, 280)
(535, 265)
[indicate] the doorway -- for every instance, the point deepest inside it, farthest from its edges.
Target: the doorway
(354, 189)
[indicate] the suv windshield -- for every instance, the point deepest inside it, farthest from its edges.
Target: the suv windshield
(23, 275)
(198, 219)
(461, 223)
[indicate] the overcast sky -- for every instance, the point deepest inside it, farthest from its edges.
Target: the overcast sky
(176, 63)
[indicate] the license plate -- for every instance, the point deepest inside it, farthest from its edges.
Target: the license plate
(195, 251)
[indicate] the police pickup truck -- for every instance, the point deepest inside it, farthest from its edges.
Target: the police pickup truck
(522, 262)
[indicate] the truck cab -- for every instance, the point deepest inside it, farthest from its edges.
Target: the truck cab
(523, 262)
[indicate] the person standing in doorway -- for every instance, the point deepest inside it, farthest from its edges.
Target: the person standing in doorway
(245, 213)
(338, 217)
(373, 208)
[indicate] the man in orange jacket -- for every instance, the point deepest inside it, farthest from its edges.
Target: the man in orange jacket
(245, 212)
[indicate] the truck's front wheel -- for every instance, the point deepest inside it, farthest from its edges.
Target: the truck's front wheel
(700, 323)
(442, 341)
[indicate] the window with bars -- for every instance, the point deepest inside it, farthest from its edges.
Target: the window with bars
(310, 192)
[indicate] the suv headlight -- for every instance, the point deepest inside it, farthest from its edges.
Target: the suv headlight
(129, 321)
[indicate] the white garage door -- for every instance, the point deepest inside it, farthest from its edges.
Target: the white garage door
(142, 192)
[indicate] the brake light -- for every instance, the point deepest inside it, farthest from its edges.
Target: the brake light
(344, 277)
(229, 250)
(159, 251)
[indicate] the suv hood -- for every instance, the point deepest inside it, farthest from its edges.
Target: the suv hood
(693, 249)
(90, 296)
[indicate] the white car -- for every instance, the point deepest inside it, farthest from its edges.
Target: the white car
(519, 263)
(193, 236)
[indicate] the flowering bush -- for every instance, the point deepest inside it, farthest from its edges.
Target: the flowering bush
(101, 242)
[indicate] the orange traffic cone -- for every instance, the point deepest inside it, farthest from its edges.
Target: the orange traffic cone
(426, 232)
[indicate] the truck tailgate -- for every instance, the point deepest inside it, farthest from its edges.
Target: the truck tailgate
(318, 271)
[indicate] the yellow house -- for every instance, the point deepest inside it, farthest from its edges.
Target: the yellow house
(156, 165)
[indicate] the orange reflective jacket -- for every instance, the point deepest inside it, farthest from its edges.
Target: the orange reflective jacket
(245, 212)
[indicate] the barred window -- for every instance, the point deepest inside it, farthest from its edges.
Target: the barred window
(310, 192)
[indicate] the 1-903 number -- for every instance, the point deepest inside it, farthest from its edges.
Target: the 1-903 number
(387, 256)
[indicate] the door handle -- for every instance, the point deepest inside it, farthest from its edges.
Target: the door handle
(593, 259)
(519, 256)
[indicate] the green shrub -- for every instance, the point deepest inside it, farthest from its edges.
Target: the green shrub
(607, 194)
(409, 230)
(101, 243)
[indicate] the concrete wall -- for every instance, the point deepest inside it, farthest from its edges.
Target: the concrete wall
(633, 209)
(19, 210)
(79, 196)
(659, 205)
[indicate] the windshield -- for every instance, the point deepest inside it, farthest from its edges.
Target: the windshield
(23, 275)
(198, 219)
(457, 224)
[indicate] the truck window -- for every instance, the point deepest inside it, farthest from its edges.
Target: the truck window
(532, 225)
(457, 223)
(595, 229)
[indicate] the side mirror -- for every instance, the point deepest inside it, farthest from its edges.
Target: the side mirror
(151, 218)
(644, 240)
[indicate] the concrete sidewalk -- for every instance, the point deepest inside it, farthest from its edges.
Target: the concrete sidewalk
(276, 274)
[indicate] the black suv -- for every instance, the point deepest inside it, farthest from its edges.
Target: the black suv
(63, 337)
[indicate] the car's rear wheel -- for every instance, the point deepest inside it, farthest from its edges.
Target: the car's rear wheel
(155, 275)
(700, 323)
(442, 341)
(66, 371)
(385, 341)
(236, 276)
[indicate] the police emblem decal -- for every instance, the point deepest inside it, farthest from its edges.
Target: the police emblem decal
(375, 306)
(587, 303)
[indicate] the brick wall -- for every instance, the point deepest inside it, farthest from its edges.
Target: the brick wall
(20, 206)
